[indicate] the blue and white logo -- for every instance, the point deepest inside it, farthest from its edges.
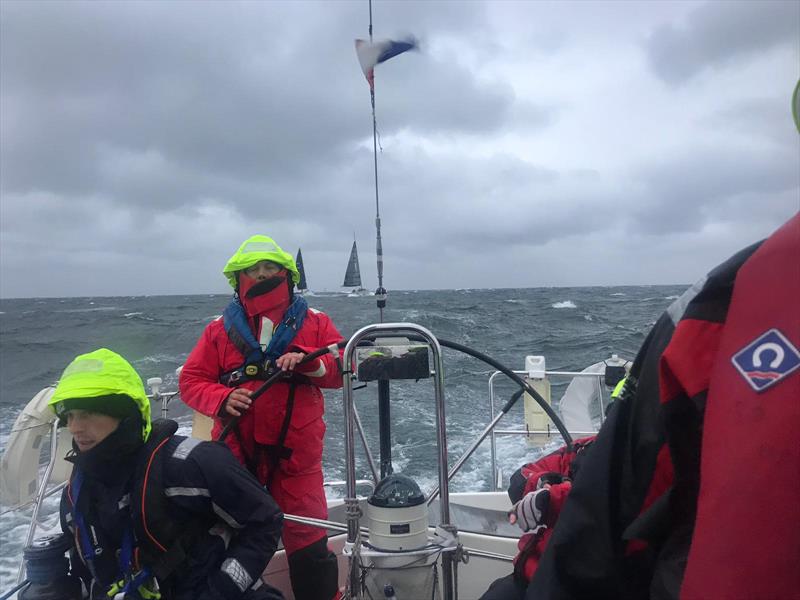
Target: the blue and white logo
(767, 360)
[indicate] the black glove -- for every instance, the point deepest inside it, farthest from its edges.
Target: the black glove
(551, 478)
(530, 512)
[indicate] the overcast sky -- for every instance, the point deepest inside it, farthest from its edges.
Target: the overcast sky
(527, 144)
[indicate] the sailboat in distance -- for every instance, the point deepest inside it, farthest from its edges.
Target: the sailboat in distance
(352, 277)
(302, 285)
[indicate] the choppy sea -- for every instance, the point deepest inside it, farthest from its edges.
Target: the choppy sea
(571, 327)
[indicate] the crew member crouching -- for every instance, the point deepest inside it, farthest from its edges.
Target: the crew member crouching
(154, 514)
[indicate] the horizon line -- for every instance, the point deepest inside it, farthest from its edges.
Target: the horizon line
(337, 292)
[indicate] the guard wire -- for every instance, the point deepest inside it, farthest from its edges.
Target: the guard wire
(519, 381)
(562, 429)
(15, 589)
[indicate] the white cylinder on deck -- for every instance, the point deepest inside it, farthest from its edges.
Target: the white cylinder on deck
(398, 528)
(397, 514)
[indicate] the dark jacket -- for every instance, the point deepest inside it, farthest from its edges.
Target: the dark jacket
(626, 530)
(210, 531)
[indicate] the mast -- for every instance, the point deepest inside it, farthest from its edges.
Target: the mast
(384, 395)
(384, 412)
(380, 293)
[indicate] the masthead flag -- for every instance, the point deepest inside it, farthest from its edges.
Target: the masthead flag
(374, 53)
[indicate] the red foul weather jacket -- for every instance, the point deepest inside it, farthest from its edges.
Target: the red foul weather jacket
(691, 489)
(296, 484)
(557, 466)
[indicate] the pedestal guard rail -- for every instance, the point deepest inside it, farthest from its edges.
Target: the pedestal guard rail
(353, 516)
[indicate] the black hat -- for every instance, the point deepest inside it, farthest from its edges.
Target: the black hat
(118, 406)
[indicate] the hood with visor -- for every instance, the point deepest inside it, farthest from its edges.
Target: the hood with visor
(255, 249)
(102, 381)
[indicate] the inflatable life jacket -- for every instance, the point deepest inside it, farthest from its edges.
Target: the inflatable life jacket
(257, 362)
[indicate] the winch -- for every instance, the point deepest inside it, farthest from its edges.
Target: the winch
(47, 570)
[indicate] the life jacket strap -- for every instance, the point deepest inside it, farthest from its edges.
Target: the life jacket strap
(139, 586)
(89, 546)
(249, 372)
(280, 451)
(237, 377)
(274, 450)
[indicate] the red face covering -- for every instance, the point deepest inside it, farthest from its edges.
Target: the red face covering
(259, 300)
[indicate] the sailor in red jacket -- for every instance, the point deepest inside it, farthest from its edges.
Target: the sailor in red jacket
(279, 436)
(538, 491)
(660, 511)
(547, 484)
(691, 490)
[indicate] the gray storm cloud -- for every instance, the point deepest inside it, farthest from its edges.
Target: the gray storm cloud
(716, 34)
(142, 139)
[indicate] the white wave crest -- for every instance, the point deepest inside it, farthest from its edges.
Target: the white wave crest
(88, 310)
(618, 294)
(564, 304)
(671, 297)
(133, 314)
(159, 358)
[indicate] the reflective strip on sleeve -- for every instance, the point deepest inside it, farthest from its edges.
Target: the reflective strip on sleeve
(185, 448)
(238, 574)
(172, 492)
(226, 517)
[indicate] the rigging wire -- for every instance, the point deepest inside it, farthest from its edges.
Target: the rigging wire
(380, 293)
